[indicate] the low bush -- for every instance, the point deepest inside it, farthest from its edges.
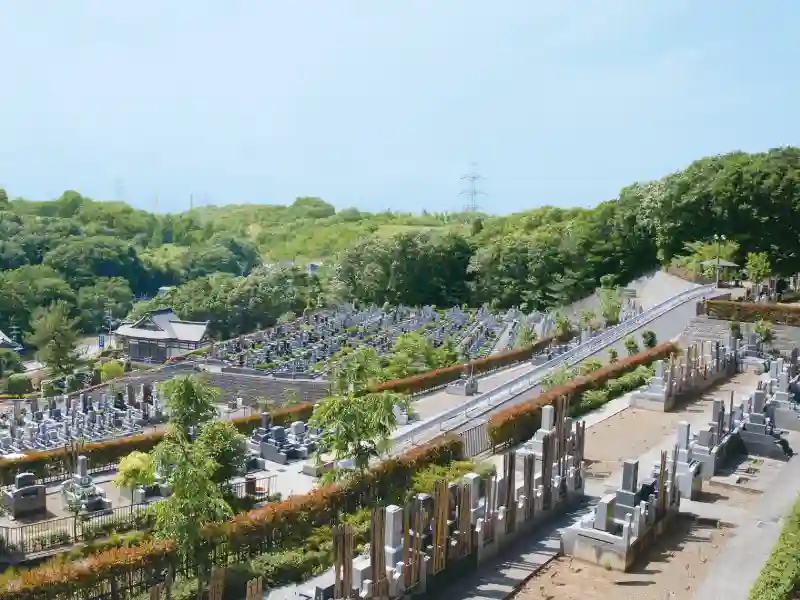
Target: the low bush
(51, 579)
(789, 296)
(18, 385)
(518, 423)
(592, 399)
(780, 577)
(751, 312)
(269, 528)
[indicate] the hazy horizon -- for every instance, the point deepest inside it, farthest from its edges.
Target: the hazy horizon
(384, 105)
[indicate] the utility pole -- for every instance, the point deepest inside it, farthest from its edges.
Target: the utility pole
(471, 191)
(108, 318)
(718, 239)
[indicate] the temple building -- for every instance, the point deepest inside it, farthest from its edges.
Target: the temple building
(159, 336)
(7, 343)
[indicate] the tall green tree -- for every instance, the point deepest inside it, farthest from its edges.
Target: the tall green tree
(526, 336)
(357, 428)
(758, 267)
(190, 402)
(55, 337)
(610, 304)
(222, 443)
(195, 502)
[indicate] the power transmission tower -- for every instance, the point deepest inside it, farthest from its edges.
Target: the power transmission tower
(119, 190)
(472, 192)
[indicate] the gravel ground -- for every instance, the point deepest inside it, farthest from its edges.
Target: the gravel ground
(671, 569)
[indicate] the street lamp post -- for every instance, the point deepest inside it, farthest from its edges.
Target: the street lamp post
(718, 239)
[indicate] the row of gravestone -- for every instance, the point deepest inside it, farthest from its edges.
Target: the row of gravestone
(84, 418)
(293, 350)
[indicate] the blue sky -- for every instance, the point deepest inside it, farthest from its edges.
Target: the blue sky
(384, 104)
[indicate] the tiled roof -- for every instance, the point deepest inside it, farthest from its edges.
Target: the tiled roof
(164, 325)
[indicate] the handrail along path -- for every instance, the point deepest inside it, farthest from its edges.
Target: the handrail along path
(472, 408)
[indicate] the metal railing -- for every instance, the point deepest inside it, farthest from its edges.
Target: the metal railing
(456, 417)
(60, 532)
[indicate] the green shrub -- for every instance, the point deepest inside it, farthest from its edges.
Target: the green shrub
(751, 312)
(649, 339)
(18, 385)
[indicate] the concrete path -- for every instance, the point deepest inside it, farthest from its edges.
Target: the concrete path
(736, 568)
(514, 565)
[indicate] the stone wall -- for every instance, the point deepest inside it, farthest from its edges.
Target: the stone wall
(232, 385)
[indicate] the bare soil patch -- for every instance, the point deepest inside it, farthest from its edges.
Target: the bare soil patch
(672, 569)
(628, 434)
(633, 431)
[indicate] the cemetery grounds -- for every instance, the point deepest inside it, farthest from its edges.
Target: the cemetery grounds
(676, 566)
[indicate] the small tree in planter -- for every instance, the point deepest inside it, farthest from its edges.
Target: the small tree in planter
(765, 332)
(736, 330)
(563, 327)
(613, 356)
(649, 339)
(135, 471)
(631, 346)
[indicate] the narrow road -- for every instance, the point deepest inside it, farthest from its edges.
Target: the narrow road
(666, 327)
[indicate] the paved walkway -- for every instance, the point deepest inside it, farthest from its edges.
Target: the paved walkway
(736, 568)
(430, 405)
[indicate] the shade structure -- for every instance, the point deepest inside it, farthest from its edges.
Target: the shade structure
(712, 262)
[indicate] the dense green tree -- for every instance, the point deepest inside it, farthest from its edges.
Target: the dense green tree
(55, 337)
(195, 502)
(135, 470)
(108, 298)
(82, 260)
(758, 267)
(190, 403)
(526, 336)
(631, 346)
(10, 362)
(223, 443)
(649, 339)
(357, 427)
(242, 266)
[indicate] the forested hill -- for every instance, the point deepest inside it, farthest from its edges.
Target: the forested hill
(96, 255)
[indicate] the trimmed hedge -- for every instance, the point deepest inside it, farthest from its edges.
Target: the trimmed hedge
(439, 377)
(520, 422)
(52, 463)
(750, 312)
(789, 296)
(266, 528)
(780, 577)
